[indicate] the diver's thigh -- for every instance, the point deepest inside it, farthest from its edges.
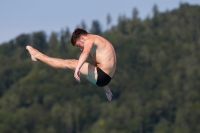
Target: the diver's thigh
(89, 72)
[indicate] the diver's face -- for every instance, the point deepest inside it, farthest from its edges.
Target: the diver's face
(80, 43)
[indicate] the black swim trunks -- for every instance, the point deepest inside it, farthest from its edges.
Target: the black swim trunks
(103, 79)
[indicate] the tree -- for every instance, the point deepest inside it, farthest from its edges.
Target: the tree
(108, 19)
(65, 35)
(122, 24)
(23, 40)
(39, 40)
(53, 39)
(155, 10)
(83, 25)
(135, 14)
(155, 15)
(64, 39)
(96, 27)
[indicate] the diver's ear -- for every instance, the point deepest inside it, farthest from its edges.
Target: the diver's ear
(82, 39)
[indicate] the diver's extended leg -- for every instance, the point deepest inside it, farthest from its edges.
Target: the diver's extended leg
(87, 70)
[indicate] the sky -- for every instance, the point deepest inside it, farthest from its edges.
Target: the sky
(28, 16)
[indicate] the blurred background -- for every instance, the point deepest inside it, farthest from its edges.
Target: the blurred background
(156, 87)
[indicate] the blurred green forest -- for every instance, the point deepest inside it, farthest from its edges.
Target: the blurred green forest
(156, 87)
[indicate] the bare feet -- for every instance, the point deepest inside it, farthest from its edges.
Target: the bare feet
(32, 52)
(108, 93)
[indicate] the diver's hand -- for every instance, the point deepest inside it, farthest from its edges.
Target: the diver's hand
(77, 75)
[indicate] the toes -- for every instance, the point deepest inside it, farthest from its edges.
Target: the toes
(109, 96)
(33, 58)
(27, 47)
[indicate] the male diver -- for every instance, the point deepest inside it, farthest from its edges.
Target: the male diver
(101, 51)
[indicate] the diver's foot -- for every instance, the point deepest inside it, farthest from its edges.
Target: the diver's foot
(32, 52)
(108, 93)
